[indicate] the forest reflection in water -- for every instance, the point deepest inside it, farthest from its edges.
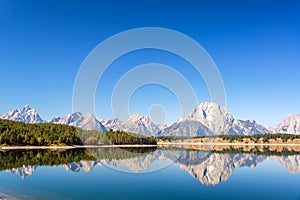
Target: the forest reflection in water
(210, 168)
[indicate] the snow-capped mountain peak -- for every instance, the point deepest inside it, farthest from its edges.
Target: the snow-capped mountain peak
(26, 108)
(25, 114)
(113, 124)
(87, 121)
(212, 115)
(70, 118)
(291, 124)
(138, 123)
(54, 120)
(137, 116)
(209, 112)
(210, 118)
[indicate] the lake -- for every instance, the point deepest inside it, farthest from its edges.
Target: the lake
(147, 173)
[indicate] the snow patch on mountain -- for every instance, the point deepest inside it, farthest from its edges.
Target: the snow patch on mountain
(113, 124)
(291, 124)
(137, 123)
(186, 128)
(77, 119)
(88, 122)
(68, 119)
(25, 114)
(212, 119)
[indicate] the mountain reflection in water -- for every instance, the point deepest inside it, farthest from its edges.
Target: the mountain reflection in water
(209, 168)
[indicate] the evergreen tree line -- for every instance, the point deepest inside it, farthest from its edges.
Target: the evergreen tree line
(265, 137)
(114, 137)
(14, 133)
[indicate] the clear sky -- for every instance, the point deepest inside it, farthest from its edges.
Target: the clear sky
(255, 44)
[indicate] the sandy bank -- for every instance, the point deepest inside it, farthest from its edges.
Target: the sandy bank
(71, 147)
(226, 144)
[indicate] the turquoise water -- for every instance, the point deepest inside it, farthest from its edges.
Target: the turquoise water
(158, 174)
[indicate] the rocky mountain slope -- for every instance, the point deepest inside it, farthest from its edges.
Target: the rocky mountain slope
(212, 119)
(77, 119)
(136, 123)
(25, 114)
(291, 124)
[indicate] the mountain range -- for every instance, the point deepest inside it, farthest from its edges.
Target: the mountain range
(206, 119)
(212, 119)
(136, 123)
(77, 119)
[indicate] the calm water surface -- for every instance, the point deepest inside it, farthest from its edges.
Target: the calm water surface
(182, 174)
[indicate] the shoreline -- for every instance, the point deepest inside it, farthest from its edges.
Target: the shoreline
(226, 144)
(72, 147)
(141, 145)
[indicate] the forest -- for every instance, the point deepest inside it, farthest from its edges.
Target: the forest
(14, 133)
(265, 137)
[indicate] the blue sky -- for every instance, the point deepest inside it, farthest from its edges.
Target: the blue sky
(255, 44)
